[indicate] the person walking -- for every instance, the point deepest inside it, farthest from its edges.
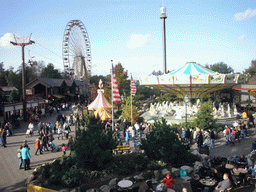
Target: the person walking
(212, 137)
(3, 136)
(127, 137)
(124, 127)
(45, 142)
(64, 148)
(38, 146)
(19, 156)
(60, 131)
(26, 157)
(227, 134)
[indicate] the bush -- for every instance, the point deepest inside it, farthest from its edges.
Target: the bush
(162, 144)
(153, 165)
(93, 148)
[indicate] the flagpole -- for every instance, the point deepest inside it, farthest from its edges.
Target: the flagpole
(131, 101)
(112, 95)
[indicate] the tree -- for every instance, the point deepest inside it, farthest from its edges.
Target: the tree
(220, 68)
(50, 72)
(14, 96)
(126, 109)
(204, 118)
(162, 144)
(93, 148)
(145, 92)
(252, 69)
(2, 75)
(157, 73)
(121, 77)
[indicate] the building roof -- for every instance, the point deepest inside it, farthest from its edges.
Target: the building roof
(8, 88)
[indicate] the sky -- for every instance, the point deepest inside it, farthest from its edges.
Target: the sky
(130, 32)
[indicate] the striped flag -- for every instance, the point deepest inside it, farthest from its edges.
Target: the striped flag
(115, 92)
(133, 87)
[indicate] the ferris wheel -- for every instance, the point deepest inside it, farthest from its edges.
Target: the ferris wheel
(76, 51)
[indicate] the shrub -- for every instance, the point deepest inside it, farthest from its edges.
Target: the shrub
(162, 144)
(93, 148)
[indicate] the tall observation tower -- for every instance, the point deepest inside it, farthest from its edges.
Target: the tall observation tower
(163, 17)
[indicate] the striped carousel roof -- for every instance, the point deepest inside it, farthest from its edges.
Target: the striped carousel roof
(192, 68)
(103, 114)
(100, 102)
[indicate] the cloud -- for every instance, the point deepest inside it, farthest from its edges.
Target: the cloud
(242, 37)
(245, 15)
(5, 40)
(137, 40)
(7, 37)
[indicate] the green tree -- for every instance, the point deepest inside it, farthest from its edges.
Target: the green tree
(145, 92)
(220, 68)
(2, 75)
(204, 118)
(50, 72)
(14, 96)
(252, 69)
(126, 109)
(121, 77)
(92, 147)
(162, 144)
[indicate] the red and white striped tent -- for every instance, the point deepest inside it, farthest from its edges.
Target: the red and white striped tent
(100, 101)
(103, 114)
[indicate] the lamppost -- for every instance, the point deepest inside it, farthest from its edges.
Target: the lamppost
(186, 99)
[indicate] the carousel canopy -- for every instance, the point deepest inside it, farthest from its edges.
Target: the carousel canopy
(193, 80)
(103, 114)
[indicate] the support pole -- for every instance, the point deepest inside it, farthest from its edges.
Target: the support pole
(112, 95)
(23, 74)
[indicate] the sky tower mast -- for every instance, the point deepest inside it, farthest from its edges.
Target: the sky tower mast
(163, 17)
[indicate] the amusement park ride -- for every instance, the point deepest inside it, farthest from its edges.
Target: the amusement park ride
(76, 51)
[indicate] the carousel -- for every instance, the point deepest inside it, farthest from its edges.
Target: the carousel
(193, 81)
(101, 104)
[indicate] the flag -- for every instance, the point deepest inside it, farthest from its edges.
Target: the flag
(133, 87)
(115, 92)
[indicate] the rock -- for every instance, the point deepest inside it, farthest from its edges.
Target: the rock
(195, 152)
(138, 178)
(73, 190)
(250, 163)
(113, 183)
(64, 190)
(203, 156)
(128, 178)
(187, 168)
(165, 171)
(197, 165)
(105, 188)
(29, 179)
(91, 190)
(176, 171)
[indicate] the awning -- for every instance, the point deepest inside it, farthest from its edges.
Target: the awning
(244, 89)
(58, 96)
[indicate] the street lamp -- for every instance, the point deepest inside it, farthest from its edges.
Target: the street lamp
(186, 99)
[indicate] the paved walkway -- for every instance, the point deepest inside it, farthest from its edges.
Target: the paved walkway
(11, 177)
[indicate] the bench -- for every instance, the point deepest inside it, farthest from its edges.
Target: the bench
(122, 148)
